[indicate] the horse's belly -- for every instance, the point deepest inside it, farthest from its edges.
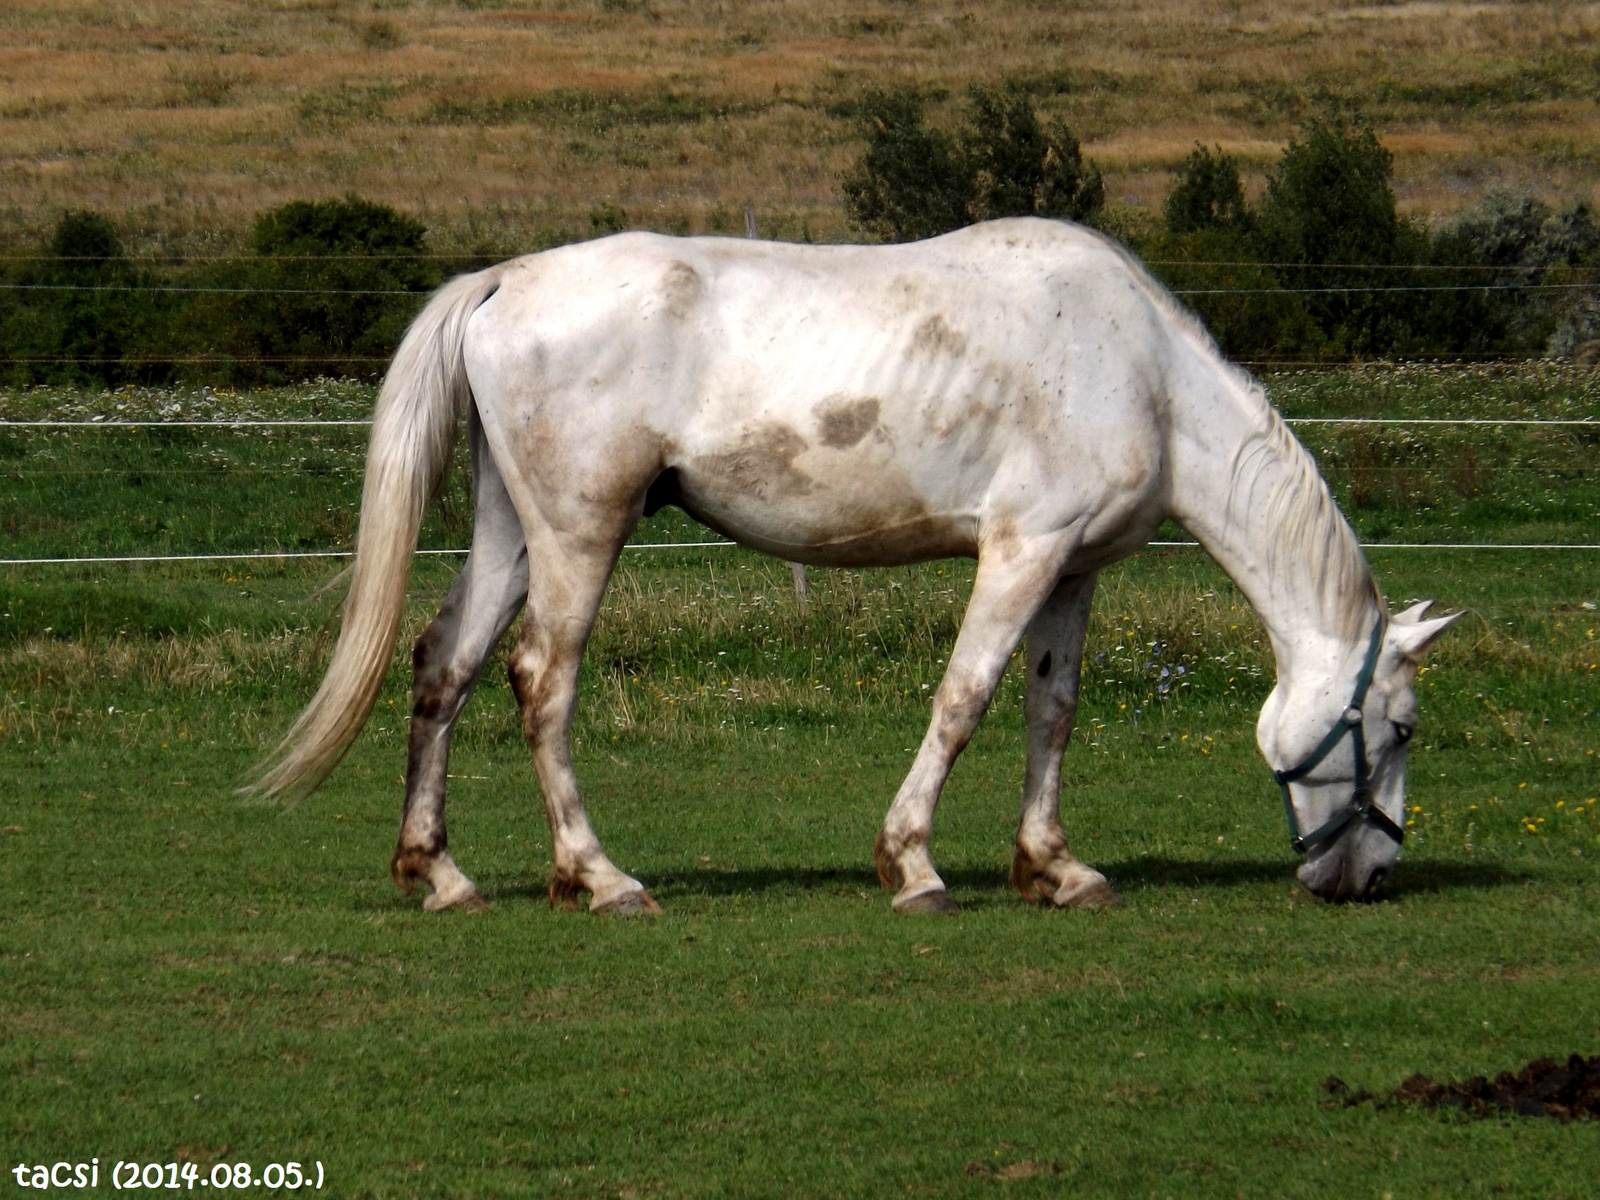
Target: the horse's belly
(856, 506)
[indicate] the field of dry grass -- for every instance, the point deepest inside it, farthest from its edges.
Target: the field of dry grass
(498, 121)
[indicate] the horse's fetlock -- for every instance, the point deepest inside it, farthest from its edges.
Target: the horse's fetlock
(564, 891)
(889, 873)
(1024, 874)
(409, 864)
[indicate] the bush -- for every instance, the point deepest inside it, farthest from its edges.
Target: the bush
(910, 183)
(1330, 209)
(1243, 303)
(1330, 200)
(75, 319)
(1017, 166)
(330, 291)
(915, 181)
(1207, 196)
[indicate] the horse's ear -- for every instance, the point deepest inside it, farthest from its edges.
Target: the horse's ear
(1411, 615)
(1412, 638)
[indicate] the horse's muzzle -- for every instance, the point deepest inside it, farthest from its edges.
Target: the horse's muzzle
(1340, 876)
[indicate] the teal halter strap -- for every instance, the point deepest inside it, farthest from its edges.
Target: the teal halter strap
(1361, 798)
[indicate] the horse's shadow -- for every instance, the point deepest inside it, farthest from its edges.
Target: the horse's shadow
(1148, 872)
(980, 885)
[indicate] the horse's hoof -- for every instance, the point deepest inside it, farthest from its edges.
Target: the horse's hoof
(470, 902)
(936, 903)
(628, 904)
(1095, 895)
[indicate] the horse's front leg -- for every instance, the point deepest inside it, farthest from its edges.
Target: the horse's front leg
(563, 600)
(1006, 592)
(1043, 866)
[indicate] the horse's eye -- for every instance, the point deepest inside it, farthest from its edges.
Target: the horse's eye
(1403, 732)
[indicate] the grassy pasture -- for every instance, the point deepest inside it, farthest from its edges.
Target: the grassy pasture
(189, 979)
(501, 123)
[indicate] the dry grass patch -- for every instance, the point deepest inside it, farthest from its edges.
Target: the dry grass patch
(142, 108)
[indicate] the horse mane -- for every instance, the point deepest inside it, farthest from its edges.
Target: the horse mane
(1305, 531)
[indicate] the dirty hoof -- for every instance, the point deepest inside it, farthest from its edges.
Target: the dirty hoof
(1094, 895)
(936, 903)
(469, 901)
(628, 904)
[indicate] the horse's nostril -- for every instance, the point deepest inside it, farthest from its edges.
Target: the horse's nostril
(1375, 881)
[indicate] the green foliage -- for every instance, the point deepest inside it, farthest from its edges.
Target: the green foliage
(915, 181)
(1330, 205)
(910, 183)
(332, 290)
(1329, 200)
(1242, 301)
(328, 290)
(85, 241)
(1207, 196)
(1019, 166)
(1326, 268)
(74, 315)
(352, 226)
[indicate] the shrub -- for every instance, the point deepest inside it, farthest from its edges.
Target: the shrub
(85, 242)
(1520, 243)
(1330, 200)
(915, 181)
(1207, 196)
(1018, 166)
(330, 290)
(1330, 211)
(74, 319)
(1242, 303)
(910, 183)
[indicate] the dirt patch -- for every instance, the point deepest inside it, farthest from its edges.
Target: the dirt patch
(1543, 1088)
(1026, 1169)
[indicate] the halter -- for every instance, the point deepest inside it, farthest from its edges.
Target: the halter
(1361, 798)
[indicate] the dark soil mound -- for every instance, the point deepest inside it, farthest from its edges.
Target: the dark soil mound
(1543, 1088)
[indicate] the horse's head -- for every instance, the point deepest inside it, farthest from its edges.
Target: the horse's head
(1338, 749)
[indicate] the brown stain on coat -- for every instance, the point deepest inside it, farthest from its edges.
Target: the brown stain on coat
(844, 423)
(760, 463)
(681, 288)
(935, 337)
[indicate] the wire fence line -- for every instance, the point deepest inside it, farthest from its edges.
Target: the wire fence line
(472, 257)
(1485, 359)
(188, 289)
(106, 360)
(365, 421)
(255, 555)
(241, 291)
(289, 555)
(180, 424)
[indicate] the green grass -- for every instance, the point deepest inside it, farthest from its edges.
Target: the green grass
(188, 978)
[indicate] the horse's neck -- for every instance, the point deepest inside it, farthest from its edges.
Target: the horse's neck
(1251, 496)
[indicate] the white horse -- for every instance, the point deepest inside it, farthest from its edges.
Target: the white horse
(1021, 392)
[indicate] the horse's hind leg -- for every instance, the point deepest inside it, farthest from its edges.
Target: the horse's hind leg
(447, 661)
(1005, 594)
(563, 599)
(1043, 865)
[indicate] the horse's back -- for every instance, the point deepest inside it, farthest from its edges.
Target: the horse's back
(840, 404)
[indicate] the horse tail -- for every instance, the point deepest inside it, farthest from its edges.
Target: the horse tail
(413, 432)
